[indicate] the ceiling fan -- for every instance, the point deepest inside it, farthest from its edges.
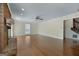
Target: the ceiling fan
(38, 18)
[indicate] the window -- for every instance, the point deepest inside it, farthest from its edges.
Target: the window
(27, 28)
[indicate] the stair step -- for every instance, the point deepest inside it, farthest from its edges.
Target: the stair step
(75, 30)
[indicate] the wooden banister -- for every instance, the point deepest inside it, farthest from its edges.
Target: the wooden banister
(75, 27)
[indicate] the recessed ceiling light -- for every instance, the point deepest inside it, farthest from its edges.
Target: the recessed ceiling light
(22, 9)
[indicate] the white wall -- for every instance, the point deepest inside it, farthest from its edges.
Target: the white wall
(34, 28)
(69, 33)
(19, 28)
(52, 28)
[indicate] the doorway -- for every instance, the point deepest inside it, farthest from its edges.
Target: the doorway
(27, 29)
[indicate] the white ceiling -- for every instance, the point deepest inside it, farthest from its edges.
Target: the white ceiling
(46, 11)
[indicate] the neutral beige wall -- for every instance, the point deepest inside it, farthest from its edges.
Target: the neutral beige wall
(19, 28)
(34, 28)
(52, 28)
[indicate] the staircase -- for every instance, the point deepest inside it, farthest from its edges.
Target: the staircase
(75, 27)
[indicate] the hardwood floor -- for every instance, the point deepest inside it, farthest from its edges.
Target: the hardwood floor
(11, 50)
(37, 45)
(71, 47)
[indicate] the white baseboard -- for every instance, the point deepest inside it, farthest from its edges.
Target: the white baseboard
(44, 35)
(51, 36)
